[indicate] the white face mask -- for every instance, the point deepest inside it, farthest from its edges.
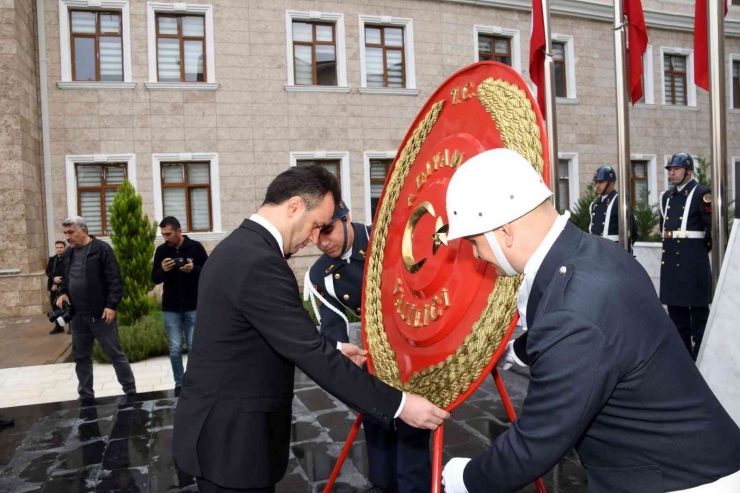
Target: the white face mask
(499, 254)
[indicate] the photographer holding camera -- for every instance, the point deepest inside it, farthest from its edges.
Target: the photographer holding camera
(92, 286)
(54, 275)
(177, 264)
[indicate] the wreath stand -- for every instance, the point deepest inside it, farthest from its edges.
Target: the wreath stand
(437, 448)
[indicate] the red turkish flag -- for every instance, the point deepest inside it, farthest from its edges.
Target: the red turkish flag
(637, 41)
(701, 48)
(537, 47)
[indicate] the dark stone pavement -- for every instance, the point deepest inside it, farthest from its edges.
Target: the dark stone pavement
(125, 445)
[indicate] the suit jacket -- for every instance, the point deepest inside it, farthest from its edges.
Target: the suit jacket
(685, 273)
(232, 423)
(345, 281)
(53, 269)
(598, 217)
(611, 377)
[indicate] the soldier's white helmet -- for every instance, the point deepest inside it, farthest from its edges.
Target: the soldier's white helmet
(491, 189)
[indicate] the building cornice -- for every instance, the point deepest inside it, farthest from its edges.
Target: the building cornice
(605, 13)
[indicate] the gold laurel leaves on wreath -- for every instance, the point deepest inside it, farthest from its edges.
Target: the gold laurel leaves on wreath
(442, 383)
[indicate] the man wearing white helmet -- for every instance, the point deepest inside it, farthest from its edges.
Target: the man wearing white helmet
(609, 375)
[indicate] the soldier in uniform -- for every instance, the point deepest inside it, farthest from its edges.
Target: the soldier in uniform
(685, 274)
(398, 460)
(604, 220)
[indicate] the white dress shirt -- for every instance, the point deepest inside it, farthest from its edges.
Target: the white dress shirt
(279, 238)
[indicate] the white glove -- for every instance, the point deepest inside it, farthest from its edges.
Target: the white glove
(508, 359)
(452, 475)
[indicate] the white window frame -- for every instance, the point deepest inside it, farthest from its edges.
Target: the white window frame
(65, 47)
(652, 175)
(72, 160)
(734, 57)
(666, 158)
(648, 89)
(570, 68)
(690, 87)
(344, 174)
(315, 16)
(513, 34)
(366, 157)
(154, 8)
(183, 157)
(408, 47)
(574, 177)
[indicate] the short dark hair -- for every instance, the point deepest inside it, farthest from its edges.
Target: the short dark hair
(311, 183)
(170, 221)
(60, 242)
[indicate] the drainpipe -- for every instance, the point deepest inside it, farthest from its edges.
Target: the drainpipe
(45, 145)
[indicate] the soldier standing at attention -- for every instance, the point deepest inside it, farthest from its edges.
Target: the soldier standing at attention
(604, 220)
(685, 274)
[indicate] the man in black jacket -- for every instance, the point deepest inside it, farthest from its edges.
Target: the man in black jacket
(177, 264)
(609, 374)
(54, 275)
(93, 286)
(232, 424)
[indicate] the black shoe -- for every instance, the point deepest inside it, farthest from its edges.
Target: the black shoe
(177, 391)
(6, 421)
(69, 329)
(57, 330)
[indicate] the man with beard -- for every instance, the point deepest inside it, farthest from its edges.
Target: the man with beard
(232, 424)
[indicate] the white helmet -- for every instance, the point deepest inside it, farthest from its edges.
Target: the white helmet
(491, 189)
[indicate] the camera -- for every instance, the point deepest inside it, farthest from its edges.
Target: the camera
(179, 262)
(62, 315)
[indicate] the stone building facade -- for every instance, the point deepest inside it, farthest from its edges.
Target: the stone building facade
(222, 93)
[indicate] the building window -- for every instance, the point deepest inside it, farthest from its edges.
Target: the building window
(97, 46)
(647, 77)
(736, 83)
(563, 184)
(186, 194)
(314, 53)
(639, 181)
(97, 185)
(384, 58)
(675, 75)
(379, 169)
(181, 48)
(561, 79)
(494, 48)
(331, 165)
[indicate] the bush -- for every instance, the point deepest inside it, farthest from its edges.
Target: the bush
(704, 176)
(580, 215)
(647, 217)
(145, 338)
(133, 243)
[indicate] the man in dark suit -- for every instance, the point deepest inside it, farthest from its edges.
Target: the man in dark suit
(604, 214)
(232, 424)
(685, 274)
(54, 279)
(398, 460)
(609, 376)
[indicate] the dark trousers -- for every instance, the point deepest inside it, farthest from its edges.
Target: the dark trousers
(690, 322)
(401, 456)
(85, 331)
(206, 486)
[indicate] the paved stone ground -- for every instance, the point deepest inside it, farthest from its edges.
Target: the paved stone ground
(26, 342)
(124, 445)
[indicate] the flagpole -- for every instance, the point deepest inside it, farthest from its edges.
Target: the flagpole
(623, 135)
(716, 42)
(550, 106)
